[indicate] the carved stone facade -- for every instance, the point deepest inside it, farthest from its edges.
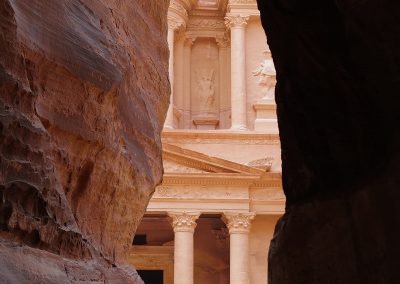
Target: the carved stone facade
(218, 71)
(219, 199)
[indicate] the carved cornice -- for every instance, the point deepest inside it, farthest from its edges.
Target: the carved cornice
(236, 21)
(213, 137)
(238, 222)
(184, 221)
(235, 180)
(243, 7)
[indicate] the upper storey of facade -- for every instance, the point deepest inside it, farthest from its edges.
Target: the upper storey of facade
(221, 71)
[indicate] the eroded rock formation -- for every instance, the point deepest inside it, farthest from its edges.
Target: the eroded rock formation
(83, 94)
(338, 72)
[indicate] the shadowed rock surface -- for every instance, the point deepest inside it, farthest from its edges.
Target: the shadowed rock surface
(83, 94)
(338, 72)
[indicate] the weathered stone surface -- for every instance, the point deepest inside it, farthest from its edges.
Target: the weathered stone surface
(83, 94)
(26, 265)
(338, 78)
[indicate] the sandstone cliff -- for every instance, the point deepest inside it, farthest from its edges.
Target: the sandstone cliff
(338, 103)
(83, 94)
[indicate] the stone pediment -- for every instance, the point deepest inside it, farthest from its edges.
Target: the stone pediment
(181, 160)
(175, 167)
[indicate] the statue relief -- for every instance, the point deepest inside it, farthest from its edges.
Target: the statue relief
(206, 89)
(267, 76)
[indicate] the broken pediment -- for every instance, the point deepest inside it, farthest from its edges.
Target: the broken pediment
(176, 167)
(181, 160)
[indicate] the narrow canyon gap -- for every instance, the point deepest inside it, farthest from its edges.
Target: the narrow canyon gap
(83, 95)
(337, 94)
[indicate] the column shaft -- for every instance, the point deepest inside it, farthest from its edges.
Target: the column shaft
(224, 104)
(183, 258)
(237, 25)
(169, 121)
(184, 224)
(239, 228)
(187, 83)
(239, 258)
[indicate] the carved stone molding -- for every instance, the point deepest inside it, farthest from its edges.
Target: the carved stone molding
(184, 221)
(200, 193)
(242, 2)
(264, 164)
(238, 222)
(236, 21)
(209, 137)
(223, 42)
(201, 23)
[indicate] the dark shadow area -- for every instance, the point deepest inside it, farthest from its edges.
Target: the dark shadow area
(337, 94)
(151, 276)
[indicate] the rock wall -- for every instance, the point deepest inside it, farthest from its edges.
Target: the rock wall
(83, 95)
(338, 72)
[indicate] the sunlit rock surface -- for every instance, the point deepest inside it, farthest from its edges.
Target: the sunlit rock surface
(83, 94)
(338, 72)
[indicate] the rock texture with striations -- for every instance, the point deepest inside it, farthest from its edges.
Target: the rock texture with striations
(338, 73)
(83, 94)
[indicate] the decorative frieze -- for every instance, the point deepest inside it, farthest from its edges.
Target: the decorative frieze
(211, 24)
(184, 221)
(200, 193)
(238, 222)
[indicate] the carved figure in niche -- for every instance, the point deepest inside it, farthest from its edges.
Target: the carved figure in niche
(206, 90)
(267, 76)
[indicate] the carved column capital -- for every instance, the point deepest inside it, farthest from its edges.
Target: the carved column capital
(184, 221)
(235, 21)
(177, 15)
(238, 222)
(189, 40)
(175, 23)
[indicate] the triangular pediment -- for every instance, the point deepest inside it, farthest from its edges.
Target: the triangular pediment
(181, 160)
(176, 167)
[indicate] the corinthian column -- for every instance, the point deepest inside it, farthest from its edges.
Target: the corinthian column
(172, 27)
(177, 18)
(239, 228)
(187, 81)
(237, 25)
(184, 224)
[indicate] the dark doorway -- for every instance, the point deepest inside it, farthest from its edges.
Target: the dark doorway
(151, 276)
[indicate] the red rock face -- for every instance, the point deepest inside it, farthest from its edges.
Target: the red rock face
(83, 94)
(338, 103)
